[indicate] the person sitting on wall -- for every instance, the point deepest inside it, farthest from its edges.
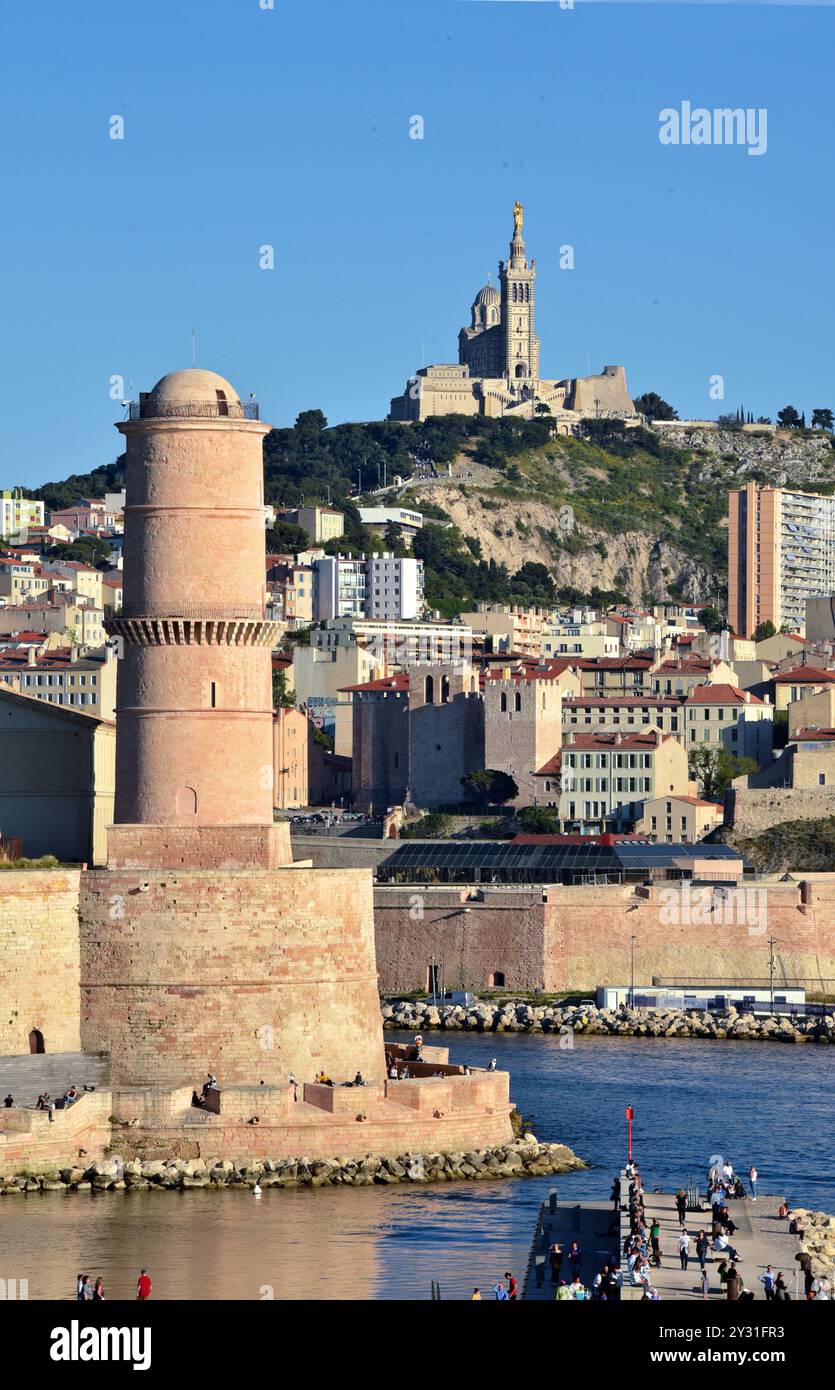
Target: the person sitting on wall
(393, 1072)
(70, 1097)
(9, 1101)
(197, 1101)
(358, 1080)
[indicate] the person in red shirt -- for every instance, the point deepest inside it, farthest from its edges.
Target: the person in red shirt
(511, 1286)
(143, 1285)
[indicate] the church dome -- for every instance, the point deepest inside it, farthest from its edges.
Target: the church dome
(488, 296)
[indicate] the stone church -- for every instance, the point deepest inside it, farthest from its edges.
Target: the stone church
(498, 362)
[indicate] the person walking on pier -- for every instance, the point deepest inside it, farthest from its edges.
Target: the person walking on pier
(767, 1279)
(556, 1262)
(575, 1258)
(655, 1242)
(752, 1178)
(681, 1205)
(702, 1247)
(684, 1249)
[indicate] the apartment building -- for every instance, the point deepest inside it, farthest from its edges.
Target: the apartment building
(679, 675)
(781, 552)
(289, 592)
(720, 715)
(600, 780)
(18, 512)
(582, 637)
(673, 820)
(507, 628)
(82, 624)
(61, 677)
(374, 586)
(23, 580)
(379, 519)
(321, 523)
(611, 713)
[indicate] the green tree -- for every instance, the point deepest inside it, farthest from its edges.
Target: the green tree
(539, 820)
(822, 419)
(604, 433)
(490, 787)
(283, 697)
(89, 550)
(435, 826)
(714, 769)
(285, 538)
(764, 630)
(654, 407)
(788, 418)
(712, 619)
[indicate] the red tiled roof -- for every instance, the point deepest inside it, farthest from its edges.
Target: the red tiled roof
(813, 736)
(720, 694)
(691, 800)
(613, 663)
(553, 765)
(804, 675)
(598, 739)
(530, 671)
(639, 700)
(398, 682)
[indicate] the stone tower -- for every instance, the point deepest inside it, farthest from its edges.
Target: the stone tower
(522, 728)
(202, 945)
(194, 694)
(517, 276)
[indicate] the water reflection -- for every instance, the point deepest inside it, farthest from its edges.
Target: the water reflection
(770, 1103)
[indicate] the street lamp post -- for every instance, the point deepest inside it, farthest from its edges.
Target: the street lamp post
(632, 941)
(772, 942)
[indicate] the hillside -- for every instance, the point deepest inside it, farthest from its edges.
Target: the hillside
(806, 846)
(514, 515)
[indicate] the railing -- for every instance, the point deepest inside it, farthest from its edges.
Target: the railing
(189, 410)
(206, 612)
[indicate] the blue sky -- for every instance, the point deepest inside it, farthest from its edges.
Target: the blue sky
(290, 127)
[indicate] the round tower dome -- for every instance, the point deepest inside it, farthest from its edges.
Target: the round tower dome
(488, 296)
(174, 393)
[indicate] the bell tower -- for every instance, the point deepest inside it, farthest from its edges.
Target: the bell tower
(517, 276)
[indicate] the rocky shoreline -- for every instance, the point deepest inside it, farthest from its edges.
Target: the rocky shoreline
(522, 1158)
(517, 1016)
(818, 1239)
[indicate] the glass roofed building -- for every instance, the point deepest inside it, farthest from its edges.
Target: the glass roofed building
(548, 860)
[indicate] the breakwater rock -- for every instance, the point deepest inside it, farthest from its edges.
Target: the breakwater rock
(525, 1157)
(517, 1016)
(818, 1239)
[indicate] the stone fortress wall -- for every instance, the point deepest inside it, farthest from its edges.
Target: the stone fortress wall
(39, 959)
(576, 938)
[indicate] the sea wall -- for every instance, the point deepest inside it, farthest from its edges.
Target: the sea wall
(575, 938)
(524, 1157)
(520, 1016)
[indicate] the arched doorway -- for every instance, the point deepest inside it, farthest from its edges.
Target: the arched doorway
(36, 1042)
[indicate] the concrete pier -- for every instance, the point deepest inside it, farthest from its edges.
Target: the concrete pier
(589, 1223)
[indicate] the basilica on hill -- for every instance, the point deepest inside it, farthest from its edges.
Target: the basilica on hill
(497, 372)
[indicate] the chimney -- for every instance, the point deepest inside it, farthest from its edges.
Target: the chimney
(31, 656)
(747, 697)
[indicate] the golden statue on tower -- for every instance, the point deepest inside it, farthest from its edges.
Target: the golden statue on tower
(518, 214)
